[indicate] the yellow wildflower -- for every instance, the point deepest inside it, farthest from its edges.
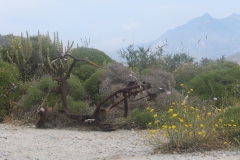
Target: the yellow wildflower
(229, 125)
(186, 125)
(150, 123)
(170, 110)
(220, 120)
(200, 133)
(190, 133)
(173, 103)
(196, 109)
(173, 126)
(164, 126)
(151, 110)
(219, 110)
(152, 131)
(209, 113)
(174, 115)
(191, 90)
(232, 120)
(181, 85)
(148, 108)
(182, 103)
(165, 134)
(190, 125)
(224, 142)
(157, 121)
(201, 125)
(234, 125)
(216, 125)
(155, 115)
(198, 117)
(175, 130)
(181, 120)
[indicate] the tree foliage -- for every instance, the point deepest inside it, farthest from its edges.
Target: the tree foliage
(142, 58)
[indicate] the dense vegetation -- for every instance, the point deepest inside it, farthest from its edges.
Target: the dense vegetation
(196, 106)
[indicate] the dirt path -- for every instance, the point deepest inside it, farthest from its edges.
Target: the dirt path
(40, 144)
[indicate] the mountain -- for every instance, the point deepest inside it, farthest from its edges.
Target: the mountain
(204, 36)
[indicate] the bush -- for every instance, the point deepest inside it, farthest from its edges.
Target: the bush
(84, 71)
(76, 90)
(184, 75)
(11, 89)
(91, 54)
(141, 118)
(77, 106)
(227, 123)
(34, 96)
(186, 128)
(45, 85)
(92, 83)
(219, 80)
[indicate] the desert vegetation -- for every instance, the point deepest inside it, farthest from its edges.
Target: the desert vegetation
(196, 105)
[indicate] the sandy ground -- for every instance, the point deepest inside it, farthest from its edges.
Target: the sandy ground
(27, 142)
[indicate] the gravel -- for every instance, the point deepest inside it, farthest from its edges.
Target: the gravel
(27, 142)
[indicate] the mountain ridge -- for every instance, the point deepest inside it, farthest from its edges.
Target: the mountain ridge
(203, 36)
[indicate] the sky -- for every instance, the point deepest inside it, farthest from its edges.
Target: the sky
(109, 24)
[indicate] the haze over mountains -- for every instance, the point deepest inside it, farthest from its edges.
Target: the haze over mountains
(204, 36)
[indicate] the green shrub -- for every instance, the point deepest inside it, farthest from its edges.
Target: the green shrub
(184, 75)
(76, 90)
(46, 84)
(146, 71)
(92, 83)
(141, 118)
(77, 106)
(84, 71)
(218, 80)
(11, 89)
(34, 96)
(91, 54)
(227, 123)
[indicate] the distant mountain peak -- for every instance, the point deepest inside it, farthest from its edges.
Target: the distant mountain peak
(206, 15)
(233, 16)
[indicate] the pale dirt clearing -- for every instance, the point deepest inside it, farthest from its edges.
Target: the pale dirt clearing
(22, 142)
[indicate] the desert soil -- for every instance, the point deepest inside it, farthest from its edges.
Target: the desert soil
(28, 142)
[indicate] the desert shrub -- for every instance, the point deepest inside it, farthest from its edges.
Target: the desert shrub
(92, 83)
(45, 85)
(146, 71)
(184, 75)
(75, 88)
(217, 83)
(186, 128)
(84, 71)
(36, 93)
(141, 118)
(11, 89)
(34, 96)
(227, 124)
(77, 106)
(91, 54)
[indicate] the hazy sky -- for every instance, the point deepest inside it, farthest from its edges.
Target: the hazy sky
(110, 24)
